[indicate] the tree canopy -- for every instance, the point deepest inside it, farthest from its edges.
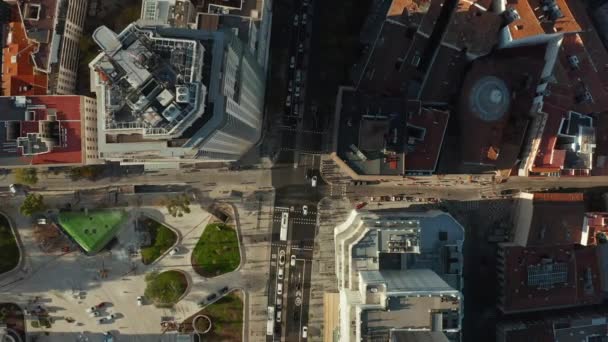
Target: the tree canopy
(28, 176)
(31, 204)
(178, 205)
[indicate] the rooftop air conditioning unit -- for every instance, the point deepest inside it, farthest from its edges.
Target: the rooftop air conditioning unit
(573, 61)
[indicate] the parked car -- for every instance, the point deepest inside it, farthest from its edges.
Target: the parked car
(110, 317)
(279, 303)
(304, 19)
(101, 320)
(211, 297)
(94, 314)
(140, 300)
(101, 305)
(279, 289)
(279, 316)
(314, 181)
(174, 251)
(108, 337)
(304, 210)
(91, 309)
(295, 20)
(292, 62)
(282, 257)
(280, 274)
(288, 101)
(201, 303)
(301, 47)
(224, 289)
(293, 260)
(304, 332)
(361, 205)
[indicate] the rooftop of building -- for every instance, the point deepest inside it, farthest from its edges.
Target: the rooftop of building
(39, 19)
(391, 136)
(548, 277)
(152, 83)
(571, 326)
(417, 336)
(40, 130)
(415, 299)
(463, 33)
(250, 8)
(19, 76)
(541, 16)
(493, 109)
(176, 13)
(547, 228)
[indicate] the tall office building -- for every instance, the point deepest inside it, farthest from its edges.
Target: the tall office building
(168, 96)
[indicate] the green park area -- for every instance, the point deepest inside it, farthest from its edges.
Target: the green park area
(226, 317)
(162, 238)
(9, 252)
(92, 230)
(217, 251)
(165, 289)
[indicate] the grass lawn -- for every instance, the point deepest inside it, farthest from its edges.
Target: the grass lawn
(93, 231)
(164, 289)
(9, 252)
(162, 239)
(217, 251)
(226, 318)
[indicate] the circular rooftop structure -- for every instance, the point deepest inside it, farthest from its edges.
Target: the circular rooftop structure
(489, 98)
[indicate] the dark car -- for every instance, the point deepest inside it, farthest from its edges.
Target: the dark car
(211, 297)
(224, 289)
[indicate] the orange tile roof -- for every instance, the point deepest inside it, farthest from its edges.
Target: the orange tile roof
(19, 74)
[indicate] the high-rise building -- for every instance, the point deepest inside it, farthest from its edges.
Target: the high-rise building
(168, 96)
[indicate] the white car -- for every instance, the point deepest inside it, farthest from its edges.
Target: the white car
(279, 316)
(295, 20)
(94, 314)
(288, 101)
(304, 19)
(282, 257)
(279, 289)
(304, 332)
(297, 93)
(140, 300)
(314, 181)
(280, 274)
(91, 309)
(301, 47)
(292, 62)
(110, 317)
(173, 251)
(304, 210)
(293, 260)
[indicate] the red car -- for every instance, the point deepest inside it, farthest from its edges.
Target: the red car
(361, 205)
(100, 305)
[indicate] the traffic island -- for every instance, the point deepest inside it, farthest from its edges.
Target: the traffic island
(159, 238)
(165, 289)
(9, 251)
(217, 251)
(92, 230)
(226, 319)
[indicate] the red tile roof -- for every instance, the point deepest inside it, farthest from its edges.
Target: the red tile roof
(519, 293)
(463, 31)
(533, 19)
(549, 228)
(20, 77)
(67, 109)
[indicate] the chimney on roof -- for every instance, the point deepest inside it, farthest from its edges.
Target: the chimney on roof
(509, 16)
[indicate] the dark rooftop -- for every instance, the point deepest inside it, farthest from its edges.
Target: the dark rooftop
(495, 104)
